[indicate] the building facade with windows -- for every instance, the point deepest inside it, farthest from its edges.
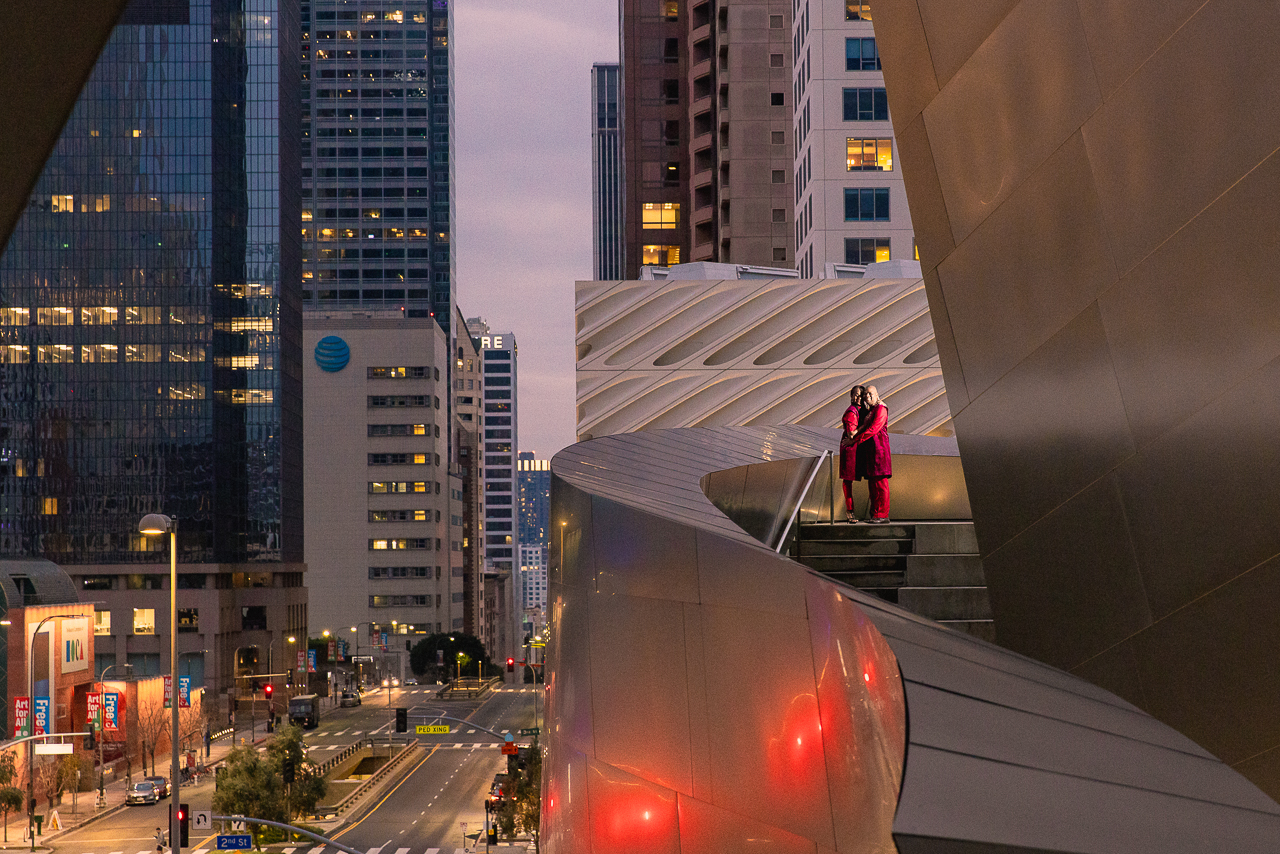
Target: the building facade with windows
(706, 132)
(850, 200)
(383, 520)
(377, 177)
(500, 619)
(534, 531)
(607, 203)
(468, 413)
(150, 340)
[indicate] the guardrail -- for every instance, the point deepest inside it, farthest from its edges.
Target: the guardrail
(468, 686)
(333, 761)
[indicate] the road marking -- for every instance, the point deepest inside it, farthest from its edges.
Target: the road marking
(398, 850)
(288, 850)
(206, 850)
(432, 851)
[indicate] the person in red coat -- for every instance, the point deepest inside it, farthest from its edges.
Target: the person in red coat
(848, 448)
(872, 458)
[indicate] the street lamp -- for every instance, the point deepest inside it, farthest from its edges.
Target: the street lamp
(152, 525)
(31, 698)
(102, 690)
(293, 660)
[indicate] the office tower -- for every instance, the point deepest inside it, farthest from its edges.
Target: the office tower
(500, 618)
(377, 176)
(149, 340)
(468, 411)
(533, 530)
(380, 510)
(606, 173)
(850, 202)
(707, 108)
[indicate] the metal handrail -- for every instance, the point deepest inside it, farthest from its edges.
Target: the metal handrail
(782, 538)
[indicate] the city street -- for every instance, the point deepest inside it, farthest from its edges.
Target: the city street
(420, 813)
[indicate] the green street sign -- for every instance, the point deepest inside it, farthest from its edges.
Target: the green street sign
(530, 731)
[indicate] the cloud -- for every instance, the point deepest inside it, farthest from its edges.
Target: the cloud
(522, 155)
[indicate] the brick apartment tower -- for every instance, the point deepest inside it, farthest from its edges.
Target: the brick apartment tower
(707, 156)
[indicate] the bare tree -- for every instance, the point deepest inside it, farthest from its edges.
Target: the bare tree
(153, 725)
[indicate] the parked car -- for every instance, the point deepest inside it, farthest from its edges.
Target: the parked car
(348, 698)
(410, 681)
(162, 786)
(142, 793)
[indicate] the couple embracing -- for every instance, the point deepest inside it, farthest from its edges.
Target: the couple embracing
(864, 452)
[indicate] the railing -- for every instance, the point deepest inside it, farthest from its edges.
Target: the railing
(785, 538)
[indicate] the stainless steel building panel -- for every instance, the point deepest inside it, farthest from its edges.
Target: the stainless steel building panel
(733, 575)
(643, 555)
(955, 32)
(708, 827)
(629, 814)
(1123, 34)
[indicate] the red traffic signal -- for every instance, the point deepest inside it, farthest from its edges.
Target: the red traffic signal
(267, 690)
(511, 665)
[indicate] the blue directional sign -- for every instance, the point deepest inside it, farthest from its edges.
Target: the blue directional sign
(234, 842)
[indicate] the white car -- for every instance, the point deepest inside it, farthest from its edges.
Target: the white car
(142, 793)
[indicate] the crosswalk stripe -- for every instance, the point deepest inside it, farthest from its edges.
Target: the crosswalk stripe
(375, 850)
(432, 851)
(402, 851)
(288, 850)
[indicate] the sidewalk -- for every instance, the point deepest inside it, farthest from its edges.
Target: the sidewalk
(114, 793)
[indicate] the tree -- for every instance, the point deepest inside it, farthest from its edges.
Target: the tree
(279, 784)
(523, 809)
(425, 654)
(153, 726)
(11, 796)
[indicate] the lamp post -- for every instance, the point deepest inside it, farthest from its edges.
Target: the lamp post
(354, 631)
(155, 524)
(293, 660)
(31, 698)
(102, 689)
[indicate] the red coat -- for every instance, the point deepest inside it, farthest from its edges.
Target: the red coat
(872, 457)
(850, 420)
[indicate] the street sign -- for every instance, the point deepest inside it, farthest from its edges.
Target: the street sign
(237, 822)
(432, 729)
(202, 819)
(234, 842)
(530, 731)
(509, 749)
(50, 749)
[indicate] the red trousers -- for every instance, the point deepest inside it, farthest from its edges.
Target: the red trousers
(878, 491)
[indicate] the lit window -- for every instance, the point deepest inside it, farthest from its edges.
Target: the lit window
(869, 155)
(63, 204)
(306, 214)
(144, 621)
(14, 316)
(96, 353)
(102, 622)
(142, 352)
(660, 215)
(857, 10)
(14, 354)
(866, 250)
(49, 506)
(55, 353)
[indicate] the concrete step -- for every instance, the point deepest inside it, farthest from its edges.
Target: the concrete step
(864, 563)
(860, 531)
(869, 580)
(947, 570)
(947, 603)
(946, 539)
(855, 548)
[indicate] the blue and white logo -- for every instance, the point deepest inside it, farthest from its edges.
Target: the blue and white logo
(332, 354)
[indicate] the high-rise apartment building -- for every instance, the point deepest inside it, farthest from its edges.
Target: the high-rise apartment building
(707, 108)
(377, 180)
(606, 173)
(500, 617)
(382, 515)
(533, 531)
(150, 333)
(850, 202)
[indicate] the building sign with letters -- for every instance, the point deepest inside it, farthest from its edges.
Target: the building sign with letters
(75, 645)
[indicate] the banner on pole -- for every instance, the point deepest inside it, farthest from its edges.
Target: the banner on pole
(110, 711)
(21, 716)
(41, 708)
(94, 709)
(184, 692)
(168, 692)
(311, 661)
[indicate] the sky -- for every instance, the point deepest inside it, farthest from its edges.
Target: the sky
(522, 155)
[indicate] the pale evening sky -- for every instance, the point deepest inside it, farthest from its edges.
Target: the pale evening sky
(522, 106)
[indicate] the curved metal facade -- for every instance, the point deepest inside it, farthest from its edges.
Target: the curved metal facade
(701, 353)
(1093, 189)
(706, 694)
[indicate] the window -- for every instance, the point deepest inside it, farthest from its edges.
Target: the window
(137, 581)
(775, 22)
(188, 620)
(861, 55)
(775, 99)
(779, 214)
(866, 250)
(387, 487)
(659, 255)
(779, 253)
(398, 430)
(102, 622)
(865, 204)
(397, 401)
(660, 215)
(865, 105)
(857, 10)
(144, 621)
(97, 582)
(775, 60)
(398, 373)
(869, 155)
(253, 618)
(400, 544)
(778, 137)
(399, 516)
(399, 572)
(398, 459)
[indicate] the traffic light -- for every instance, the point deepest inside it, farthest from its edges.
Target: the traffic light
(402, 720)
(184, 825)
(287, 769)
(511, 665)
(269, 690)
(91, 739)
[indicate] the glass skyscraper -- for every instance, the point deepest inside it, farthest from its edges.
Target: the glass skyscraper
(150, 331)
(377, 191)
